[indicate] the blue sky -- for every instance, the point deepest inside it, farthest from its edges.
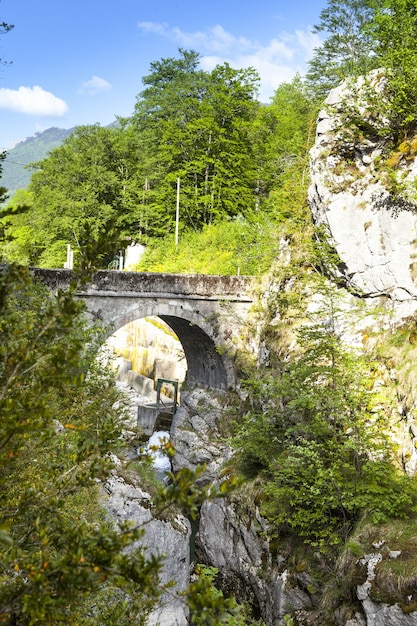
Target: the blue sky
(81, 61)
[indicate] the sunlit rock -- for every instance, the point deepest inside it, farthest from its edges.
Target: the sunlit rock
(373, 231)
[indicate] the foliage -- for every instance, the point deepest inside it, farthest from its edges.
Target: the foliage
(16, 217)
(242, 170)
(194, 125)
(81, 195)
(393, 31)
(228, 247)
(395, 579)
(215, 608)
(398, 350)
(61, 559)
(316, 430)
(58, 424)
(348, 51)
(241, 246)
(281, 135)
(318, 433)
(368, 34)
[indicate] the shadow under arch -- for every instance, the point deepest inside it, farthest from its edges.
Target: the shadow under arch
(207, 364)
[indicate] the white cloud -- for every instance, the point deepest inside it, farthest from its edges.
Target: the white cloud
(214, 39)
(155, 28)
(95, 85)
(32, 101)
(276, 61)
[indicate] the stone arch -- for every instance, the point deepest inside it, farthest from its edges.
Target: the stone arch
(206, 312)
(207, 365)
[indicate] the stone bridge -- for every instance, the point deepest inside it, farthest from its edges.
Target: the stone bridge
(209, 314)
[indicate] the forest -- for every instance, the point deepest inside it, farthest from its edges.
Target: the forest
(312, 445)
(242, 166)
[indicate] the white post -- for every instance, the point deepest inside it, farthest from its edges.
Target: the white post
(177, 213)
(70, 258)
(120, 260)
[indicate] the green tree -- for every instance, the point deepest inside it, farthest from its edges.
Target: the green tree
(17, 217)
(58, 425)
(223, 170)
(162, 113)
(194, 126)
(366, 34)
(214, 608)
(279, 136)
(62, 561)
(82, 195)
(348, 50)
(393, 33)
(283, 135)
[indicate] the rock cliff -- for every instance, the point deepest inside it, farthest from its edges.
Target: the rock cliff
(232, 541)
(372, 227)
(126, 502)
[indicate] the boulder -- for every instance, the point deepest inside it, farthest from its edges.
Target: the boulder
(195, 435)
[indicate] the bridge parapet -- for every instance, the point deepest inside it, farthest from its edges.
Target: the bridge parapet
(193, 285)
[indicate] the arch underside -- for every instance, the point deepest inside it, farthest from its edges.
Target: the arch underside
(205, 364)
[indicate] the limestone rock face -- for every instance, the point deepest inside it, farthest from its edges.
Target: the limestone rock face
(374, 233)
(235, 546)
(152, 348)
(127, 502)
(380, 614)
(245, 563)
(195, 435)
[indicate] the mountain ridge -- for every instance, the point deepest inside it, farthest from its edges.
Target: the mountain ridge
(16, 175)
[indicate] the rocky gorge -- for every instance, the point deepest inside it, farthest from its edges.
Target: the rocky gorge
(373, 232)
(232, 536)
